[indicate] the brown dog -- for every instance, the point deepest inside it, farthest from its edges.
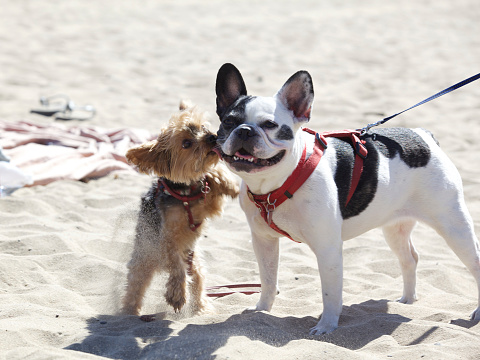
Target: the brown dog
(191, 188)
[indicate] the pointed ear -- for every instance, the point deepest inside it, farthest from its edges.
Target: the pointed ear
(185, 104)
(297, 95)
(229, 87)
(150, 158)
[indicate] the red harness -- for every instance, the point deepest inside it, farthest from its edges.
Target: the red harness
(186, 199)
(267, 203)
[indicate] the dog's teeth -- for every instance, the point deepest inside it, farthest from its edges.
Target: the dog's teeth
(236, 158)
(251, 159)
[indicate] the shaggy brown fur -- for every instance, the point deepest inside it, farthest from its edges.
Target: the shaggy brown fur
(182, 154)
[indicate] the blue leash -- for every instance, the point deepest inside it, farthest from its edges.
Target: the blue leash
(443, 92)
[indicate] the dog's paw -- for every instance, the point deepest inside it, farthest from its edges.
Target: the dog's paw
(176, 297)
(129, 310)
(327, 323)
(475, 315)
(258, 307)
(202, 306)
(250, 309)
(177, 305)
(407, 299)
(264, 304)
(206, 308)
(321, 329)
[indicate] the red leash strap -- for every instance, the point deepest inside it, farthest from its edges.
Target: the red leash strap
(193, 226)
(186, 200)
(267, 203)
(360, 155)
(235, 286)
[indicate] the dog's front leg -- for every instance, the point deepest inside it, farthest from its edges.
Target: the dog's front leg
(330, 266)
(177, 282)
(267, 252)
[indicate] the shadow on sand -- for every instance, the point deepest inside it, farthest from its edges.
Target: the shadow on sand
(126, 337)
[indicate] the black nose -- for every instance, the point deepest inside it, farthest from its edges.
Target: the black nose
(245, 132)
(211, 139)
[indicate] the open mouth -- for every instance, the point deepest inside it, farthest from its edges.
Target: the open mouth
(244, 158)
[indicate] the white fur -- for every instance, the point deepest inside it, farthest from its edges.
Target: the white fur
(403, 196)
(432, 194)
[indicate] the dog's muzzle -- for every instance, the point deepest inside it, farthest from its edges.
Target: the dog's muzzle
(211, 139)
(245, 132)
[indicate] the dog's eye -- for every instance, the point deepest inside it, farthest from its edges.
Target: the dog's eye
(186, 143)
(229, 121)
(269, 124)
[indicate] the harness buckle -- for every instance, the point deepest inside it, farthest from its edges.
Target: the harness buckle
(205, 188)
(360, 150)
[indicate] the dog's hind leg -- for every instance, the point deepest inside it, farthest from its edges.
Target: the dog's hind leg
(139, 277)
(398, 237)
(456, 227)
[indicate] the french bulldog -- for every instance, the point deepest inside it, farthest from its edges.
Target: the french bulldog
(405, 178)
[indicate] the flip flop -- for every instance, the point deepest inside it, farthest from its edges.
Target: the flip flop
(63, 108)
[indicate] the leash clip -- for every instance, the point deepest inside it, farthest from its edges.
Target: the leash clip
(270, 208)
(205, 188)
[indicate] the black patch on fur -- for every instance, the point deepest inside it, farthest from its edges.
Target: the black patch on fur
(149, 215)
(193, 129)
(406, 143)
(390, 142)
(234, 116)
(367, 186)
(285, 133)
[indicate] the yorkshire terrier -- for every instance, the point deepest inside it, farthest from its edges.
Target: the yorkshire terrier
(191, 187)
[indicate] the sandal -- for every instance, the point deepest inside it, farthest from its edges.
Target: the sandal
(63, 108)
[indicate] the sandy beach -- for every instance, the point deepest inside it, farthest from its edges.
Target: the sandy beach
(64, 246)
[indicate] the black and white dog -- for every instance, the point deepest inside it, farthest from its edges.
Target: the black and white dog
(406, 178)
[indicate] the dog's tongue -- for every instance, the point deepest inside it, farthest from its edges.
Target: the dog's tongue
(244, 156)
(217, 151)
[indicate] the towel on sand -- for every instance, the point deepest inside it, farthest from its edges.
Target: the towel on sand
(54, 152)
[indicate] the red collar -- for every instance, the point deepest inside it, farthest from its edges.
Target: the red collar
(267, 203)
(186, 199)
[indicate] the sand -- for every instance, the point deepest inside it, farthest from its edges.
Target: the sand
(64, 246)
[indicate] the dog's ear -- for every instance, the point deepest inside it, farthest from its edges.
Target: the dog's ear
(297, 95)
(229, 87)
(185, 104)
(150, 158)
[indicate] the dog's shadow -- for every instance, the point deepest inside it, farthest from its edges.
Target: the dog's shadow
(126, 337)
